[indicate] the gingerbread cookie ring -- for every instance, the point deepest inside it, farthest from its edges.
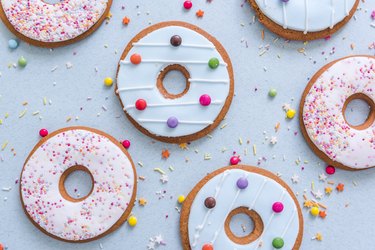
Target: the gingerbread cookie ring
(322, 113)
(304, 19)
(265, 198)
(48, 205)
(53, 25)
(206, 66)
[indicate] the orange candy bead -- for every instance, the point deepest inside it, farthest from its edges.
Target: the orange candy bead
(1, 247)
(207, 247)
(136, 59)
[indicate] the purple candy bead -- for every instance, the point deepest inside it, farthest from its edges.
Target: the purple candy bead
(242, 183)
(285, 1)
(172, 122)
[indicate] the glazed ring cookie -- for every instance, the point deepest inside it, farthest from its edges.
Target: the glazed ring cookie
(52, 25)
(149, 57)
(322, 113)
(304, 19)
(104, 209)
(268, 201)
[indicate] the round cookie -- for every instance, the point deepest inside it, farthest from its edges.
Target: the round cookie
(304, 19)
(257, 193)
(46, 201)
(53, 25)
(202, 60)
(322, 113)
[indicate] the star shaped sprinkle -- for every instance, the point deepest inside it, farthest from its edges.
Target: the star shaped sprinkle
(308, 203)
(340, 187)
(322, 214)
(183, 146)
(125, 21)
(158, 239)
(318, 236)
(165, 154)
(273, 140)
(286, 107)
(142, 202)
(328, 190)
(164, 178)
(200, 13)
(322, 177)
(295, 178)
(318, 194)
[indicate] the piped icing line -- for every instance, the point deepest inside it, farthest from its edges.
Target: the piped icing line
(57, 22)
(172, 62)
(306, 16)
(221, 225)
(285, 26)
(182, 121)
(346, 8)
(168, 45)
(258, 194)
(135, 88)
(268, 222)
(332, 15)
(200, 227)
(289, 222)
(216, 102)
(208, 80)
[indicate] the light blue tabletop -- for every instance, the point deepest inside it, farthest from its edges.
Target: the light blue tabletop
(66, 86)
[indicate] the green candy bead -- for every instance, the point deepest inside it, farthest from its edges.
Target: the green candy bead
(213, 63)
(22, 62)
(278, 243)
(272, 92)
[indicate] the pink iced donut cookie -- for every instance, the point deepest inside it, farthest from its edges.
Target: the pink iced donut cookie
(52, 25)
(323, 108)
(46, 201)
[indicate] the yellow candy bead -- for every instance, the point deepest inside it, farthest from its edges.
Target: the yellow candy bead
(290, 113)
(108, 81)
(132, 221)
(314, 211)
(181, 199)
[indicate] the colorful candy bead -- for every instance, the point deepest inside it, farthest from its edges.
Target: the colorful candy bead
(272, 92)
(330, 170)
(135, 59)
(108, 81)
(176, 41)
(210, 202)
(207, 247)
(188, 4)
(314, 211)
(284, 1)
(242, 183)
(205, 100)
(290, 113)
(1, 247)
(213, 63)
(278, 243)
(22, 62)
(13, 44)
(126, 144)
(278, 207)
(141, 104)
(43, 132)
(172, 122)
(132, 221)
(181, 199)
(234, 160)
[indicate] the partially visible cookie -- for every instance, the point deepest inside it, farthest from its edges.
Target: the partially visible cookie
(209, 84)
(304, 19)
(322, 113)
(53, 25)
(267, 200)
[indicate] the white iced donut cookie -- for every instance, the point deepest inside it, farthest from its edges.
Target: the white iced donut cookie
(49, 206)
(323, 108)
(42, 23)
(263, 197)
(155, 52)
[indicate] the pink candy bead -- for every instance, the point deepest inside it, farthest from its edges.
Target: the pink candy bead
(278, 207)
(234, 160)
(188, 5)
(43, 132)
(205, 100)
(330, 170)
(126, 144)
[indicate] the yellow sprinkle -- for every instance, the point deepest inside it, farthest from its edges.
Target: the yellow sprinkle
(223, 126)
(24, 103)
(6, 115)
(207, 156)
(5, 144)
(68, 119)
(312, 185)
(22, 113)
(44, 101)
(181, 199)
(171, 168)
(240, 140)
(159, 170)
(36, 113)
(1, 122)
(254, 149)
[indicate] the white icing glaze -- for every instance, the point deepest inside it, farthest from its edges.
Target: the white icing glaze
(206, 225)
(139, 82)
(306, 16)
(323, 117)
(58, 22)
(113, 188)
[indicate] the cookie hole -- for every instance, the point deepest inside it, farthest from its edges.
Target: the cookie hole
(52, 1)
(173, 81)
(243, 226)
(359, 111)
(76, 183)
